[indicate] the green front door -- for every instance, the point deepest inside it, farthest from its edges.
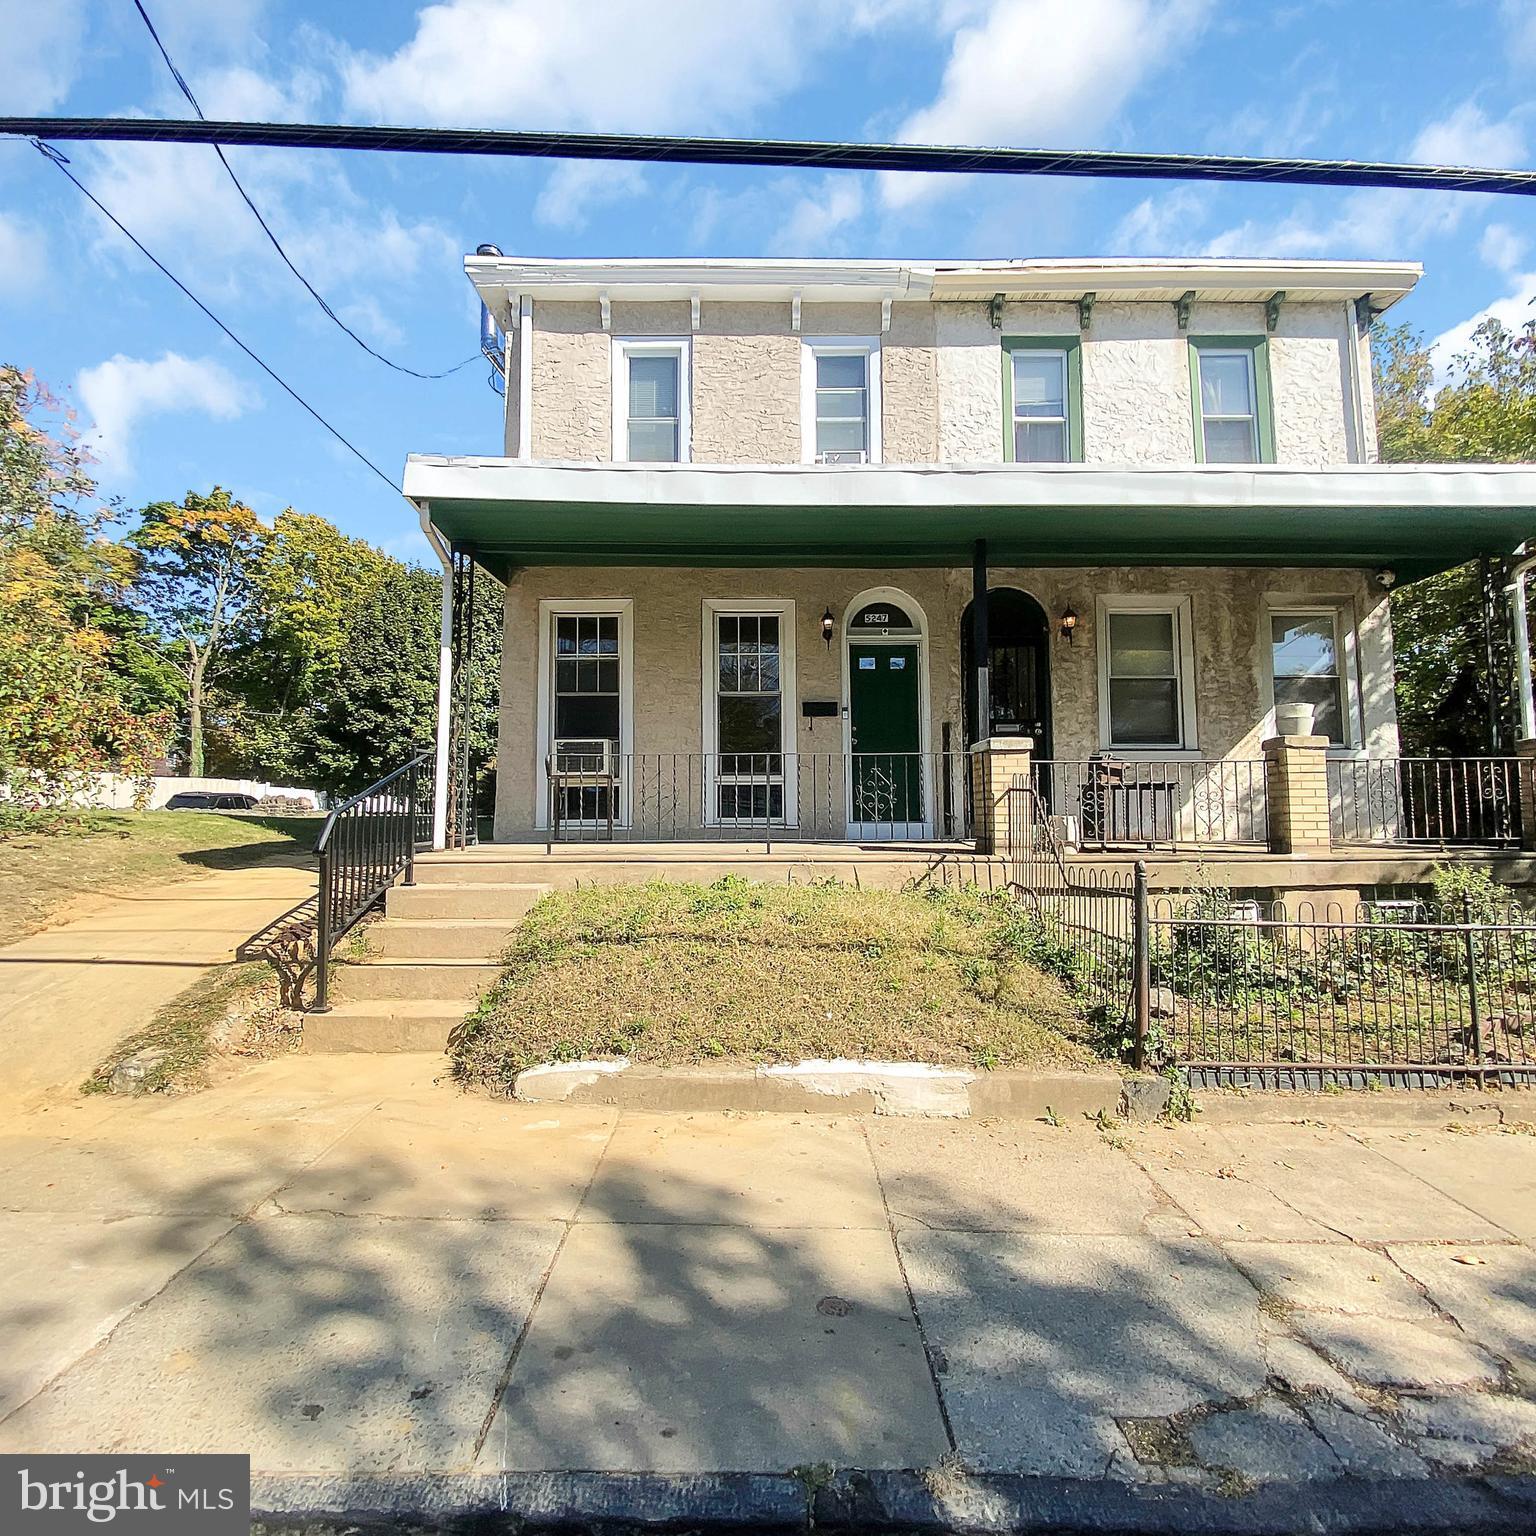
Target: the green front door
(886, 737)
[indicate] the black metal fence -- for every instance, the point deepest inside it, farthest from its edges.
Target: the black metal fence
(1435, 800)
(1123, 802)
(599, 795)
(366, 844)
(1217, 987)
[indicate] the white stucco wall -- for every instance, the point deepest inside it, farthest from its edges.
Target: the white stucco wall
(1229, 613)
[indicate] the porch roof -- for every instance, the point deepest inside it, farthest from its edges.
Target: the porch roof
(1415, 519)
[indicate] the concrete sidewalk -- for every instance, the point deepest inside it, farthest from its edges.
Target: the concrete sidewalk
(364, 1279)
(70, 993)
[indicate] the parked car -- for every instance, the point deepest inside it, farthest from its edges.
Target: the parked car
(209, 800)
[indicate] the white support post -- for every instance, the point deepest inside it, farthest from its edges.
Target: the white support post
(1522, 643)
(440, 775)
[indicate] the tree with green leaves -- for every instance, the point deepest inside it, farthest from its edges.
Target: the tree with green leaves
(1485, 413)
(79, 690)
(198, 563)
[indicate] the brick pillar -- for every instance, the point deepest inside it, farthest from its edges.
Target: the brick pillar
(994, 765)
(1526, 767)
(1296, 780)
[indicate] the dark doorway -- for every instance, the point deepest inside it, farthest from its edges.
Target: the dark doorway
(1019, 659)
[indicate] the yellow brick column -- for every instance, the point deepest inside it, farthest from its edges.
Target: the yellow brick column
(1296, 780)
(1526, 767)
(995, 764)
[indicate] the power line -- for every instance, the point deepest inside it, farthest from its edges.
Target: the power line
(52, 155)
(186, 90)
(680, 150)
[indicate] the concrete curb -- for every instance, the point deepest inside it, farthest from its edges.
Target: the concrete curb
(531, 1502)
(826, 1087)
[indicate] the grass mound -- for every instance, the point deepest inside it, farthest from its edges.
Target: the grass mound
(677, 974)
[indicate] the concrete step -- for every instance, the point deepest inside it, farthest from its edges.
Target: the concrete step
(442, 979)
(470, 938)
(501, 899)
(423, 1025)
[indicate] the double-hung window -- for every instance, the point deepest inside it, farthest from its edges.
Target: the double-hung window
(586, 712)
(1229, 380)
(1307, 666)
(650, 401)
(1042, 399)
(1146, 694)
(840, 401)
(751, 676)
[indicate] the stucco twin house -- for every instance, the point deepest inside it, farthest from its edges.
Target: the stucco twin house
(837, 551)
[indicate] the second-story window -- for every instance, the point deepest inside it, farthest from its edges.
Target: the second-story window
(840, 401)
(1042, 400)
(650, 397)
(1229, 378)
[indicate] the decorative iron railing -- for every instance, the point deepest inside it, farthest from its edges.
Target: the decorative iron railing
(366, 845)
(1442, 801)
(1113, 802)
(594, 794)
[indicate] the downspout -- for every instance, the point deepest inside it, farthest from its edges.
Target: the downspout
(1520, 623)
(440, 778)
(1356, 394)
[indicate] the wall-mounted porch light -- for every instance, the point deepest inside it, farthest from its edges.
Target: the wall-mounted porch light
(1068, 624)
(1386, 578)
(828, 624)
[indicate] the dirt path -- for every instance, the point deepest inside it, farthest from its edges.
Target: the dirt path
(70, 993)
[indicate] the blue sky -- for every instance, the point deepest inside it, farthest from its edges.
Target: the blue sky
(169, 404)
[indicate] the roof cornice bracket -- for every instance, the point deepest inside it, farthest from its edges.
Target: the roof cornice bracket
(1181, 308)
(995, 311)
(606, 309)
(1272, 309)
(693, 309)
(1085, 311)
(885, 316)
(794, 312)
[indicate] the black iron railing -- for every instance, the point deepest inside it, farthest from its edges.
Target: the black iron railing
(1434, 800)
(366, 844)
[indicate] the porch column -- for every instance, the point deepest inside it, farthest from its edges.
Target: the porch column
(995, 763)
(1296, 783)
(1521, 638)
(981, 642)
(441, 778)
(1525, 750)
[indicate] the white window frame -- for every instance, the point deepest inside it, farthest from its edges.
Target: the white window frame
(812, 347)
(551, 608)
(626, 347)
(716, 608)
(1255, 436)
(1182, 611)
(1346, 649)
(1060, 354)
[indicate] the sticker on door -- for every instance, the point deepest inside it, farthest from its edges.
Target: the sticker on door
(866, 663)
(897, 663)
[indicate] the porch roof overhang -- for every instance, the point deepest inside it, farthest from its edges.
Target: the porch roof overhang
(1414, 519)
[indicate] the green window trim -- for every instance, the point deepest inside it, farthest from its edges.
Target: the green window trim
(1263, 396)
(1073, 347)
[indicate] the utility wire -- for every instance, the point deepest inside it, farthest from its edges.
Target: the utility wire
(52, 155)
(186, 90)
(674, 149)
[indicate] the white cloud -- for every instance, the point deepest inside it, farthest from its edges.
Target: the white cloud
(1502, 248)
(576, 187)
(23, 256)
(1162, 224)
(1467, 137)
(119, 393)
(1520, 29)
(815, 219)
(39, 51)
(1043, 73)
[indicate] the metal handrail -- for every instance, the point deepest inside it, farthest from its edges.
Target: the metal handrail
(363, 848)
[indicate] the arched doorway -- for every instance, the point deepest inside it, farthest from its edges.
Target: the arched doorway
(1019, 666)
(888, 783)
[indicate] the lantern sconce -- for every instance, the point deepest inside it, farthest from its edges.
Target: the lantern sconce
(828, 624)
(1068, 624)
(1386, 578)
